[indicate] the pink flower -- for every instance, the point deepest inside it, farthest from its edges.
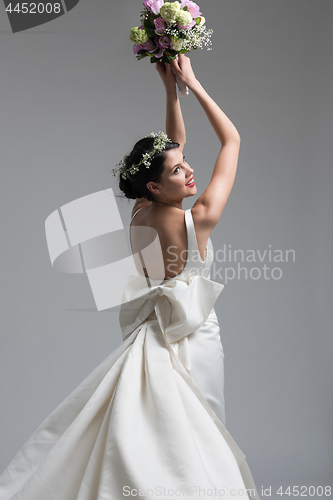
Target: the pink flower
(158, 55)
(153, 5)
(164, 42)
(192, 8)
(149, 46)
(159, 25)
(188, 26)
(147, 4)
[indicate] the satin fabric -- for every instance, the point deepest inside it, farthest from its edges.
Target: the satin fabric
(207, 364)
(144, 420)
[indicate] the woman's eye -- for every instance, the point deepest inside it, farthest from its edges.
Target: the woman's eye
(175, 171)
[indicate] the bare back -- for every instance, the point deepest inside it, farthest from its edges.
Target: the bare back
(169, 222)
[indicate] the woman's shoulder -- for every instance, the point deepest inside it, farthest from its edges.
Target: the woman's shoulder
(163, 220)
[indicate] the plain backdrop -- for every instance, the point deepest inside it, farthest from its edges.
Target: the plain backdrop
(73, 101)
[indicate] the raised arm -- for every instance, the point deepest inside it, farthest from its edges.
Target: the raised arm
(175, 127)
(210, 204)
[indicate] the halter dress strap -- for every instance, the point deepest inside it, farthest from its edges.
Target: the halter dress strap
(129, 227)
(193, 249)
(138, 210)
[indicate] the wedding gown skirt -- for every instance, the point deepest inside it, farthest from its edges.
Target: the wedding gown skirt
(150, 417)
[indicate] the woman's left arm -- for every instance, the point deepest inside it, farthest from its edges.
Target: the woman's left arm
(175, 127)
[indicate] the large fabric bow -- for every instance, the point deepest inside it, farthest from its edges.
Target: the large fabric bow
(181, 306)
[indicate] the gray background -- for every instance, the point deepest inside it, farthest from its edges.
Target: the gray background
(73, 101)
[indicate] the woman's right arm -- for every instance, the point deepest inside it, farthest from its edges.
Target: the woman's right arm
(210, 204)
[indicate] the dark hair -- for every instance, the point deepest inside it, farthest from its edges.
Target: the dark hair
(135, 185)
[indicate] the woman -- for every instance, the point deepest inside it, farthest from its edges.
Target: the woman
(159, 193)
(159, 190)
(149, 420)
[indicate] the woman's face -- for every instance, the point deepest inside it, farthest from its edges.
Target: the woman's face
(176, 175)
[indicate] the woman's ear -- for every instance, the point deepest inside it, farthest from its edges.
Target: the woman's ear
(154, 187)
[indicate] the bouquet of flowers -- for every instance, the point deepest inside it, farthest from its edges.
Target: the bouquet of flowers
(168, 29)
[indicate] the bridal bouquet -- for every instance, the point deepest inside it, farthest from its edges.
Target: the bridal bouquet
(168, 29)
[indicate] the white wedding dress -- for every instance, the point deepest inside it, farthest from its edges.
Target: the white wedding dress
(149, 421)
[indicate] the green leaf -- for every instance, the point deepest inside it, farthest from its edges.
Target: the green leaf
(149, 27)
(197, 20)
(169, 55)
(185, 8)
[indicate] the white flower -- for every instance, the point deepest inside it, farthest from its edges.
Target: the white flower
(169, 11)
(184, 18)
(177, 45)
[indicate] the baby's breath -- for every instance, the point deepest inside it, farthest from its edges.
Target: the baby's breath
(144, 16)
(197, 37)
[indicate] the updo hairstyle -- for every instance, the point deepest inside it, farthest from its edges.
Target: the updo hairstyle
(135, 185)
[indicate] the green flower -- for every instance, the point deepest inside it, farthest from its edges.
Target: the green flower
(184, 18)
(170, 11)
(139, 36)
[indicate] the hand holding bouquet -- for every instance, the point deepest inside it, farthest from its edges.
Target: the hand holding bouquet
(168, 29)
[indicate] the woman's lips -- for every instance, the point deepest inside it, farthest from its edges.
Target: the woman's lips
(190, 183)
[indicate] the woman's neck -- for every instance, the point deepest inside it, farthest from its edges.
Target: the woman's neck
(179, 205)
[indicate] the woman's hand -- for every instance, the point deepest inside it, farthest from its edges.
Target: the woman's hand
(182, 69)
(167, 75)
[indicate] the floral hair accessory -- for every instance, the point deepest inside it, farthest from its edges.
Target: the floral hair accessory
(160, 140)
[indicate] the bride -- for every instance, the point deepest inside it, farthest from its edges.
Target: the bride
(149, 421)
(159, 192)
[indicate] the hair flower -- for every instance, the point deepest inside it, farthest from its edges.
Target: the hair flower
(160, 140)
